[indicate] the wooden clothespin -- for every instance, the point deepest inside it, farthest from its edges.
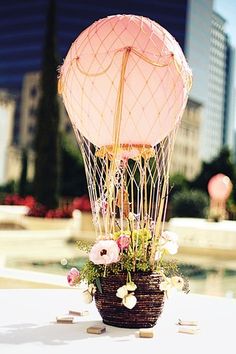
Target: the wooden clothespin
(146, 333)
(187, 323)
(78, 313)
(188, 330)
(65, 319)
(96, 329)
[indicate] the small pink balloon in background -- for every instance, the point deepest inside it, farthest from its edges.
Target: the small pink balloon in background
(220, 187)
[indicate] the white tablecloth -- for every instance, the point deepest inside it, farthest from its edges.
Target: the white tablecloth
(27, 325)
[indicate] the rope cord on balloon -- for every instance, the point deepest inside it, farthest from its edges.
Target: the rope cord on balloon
(77, 61)
(155, 170)
(163, 201)
(140, 181)
(187, 78)
(96, 108)
(152, 62)
(115, 138)
(119, 106)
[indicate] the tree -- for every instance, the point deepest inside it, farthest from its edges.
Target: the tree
(190, 203)
(46, 179)
(23, 176)
(178, 182)
(73, 178)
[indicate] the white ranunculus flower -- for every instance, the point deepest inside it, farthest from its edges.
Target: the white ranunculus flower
(168, 242)
(167, 286)
(129, 301)
(158, 255)
(177, 282)
(171, 247)
(131, 286)
(122, 292)
(87, 297)
(92, 289)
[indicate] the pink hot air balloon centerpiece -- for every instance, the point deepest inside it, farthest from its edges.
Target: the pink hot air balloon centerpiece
(132, 80)
(125, 83)
(219, 189)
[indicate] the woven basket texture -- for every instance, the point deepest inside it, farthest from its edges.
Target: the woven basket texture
(149, 306)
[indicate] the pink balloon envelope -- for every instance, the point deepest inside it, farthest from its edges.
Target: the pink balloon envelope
(219, 187)
(156, 83)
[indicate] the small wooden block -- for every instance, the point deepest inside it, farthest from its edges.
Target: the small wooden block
(188, 330)
(146, 333)
(187, 323)
(65, 319)
(78, 313)
(96, 329)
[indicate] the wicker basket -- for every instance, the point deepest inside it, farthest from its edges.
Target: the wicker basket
(150, 301)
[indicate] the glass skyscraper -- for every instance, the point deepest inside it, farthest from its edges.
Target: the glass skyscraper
(22, 27)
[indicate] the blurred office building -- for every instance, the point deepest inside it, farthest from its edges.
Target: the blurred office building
(210, 55)
(198, 29)
(7, 109)
(29, 105)
(186, 159)
(28, 114)
(230, 94)
(30, 96)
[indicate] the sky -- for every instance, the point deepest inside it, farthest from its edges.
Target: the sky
(227, 9)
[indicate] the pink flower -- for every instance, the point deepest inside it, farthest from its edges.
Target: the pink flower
(73, 277)
(123, 242)
(104, 252)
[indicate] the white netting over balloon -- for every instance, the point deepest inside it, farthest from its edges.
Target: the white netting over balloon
(125, 84)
